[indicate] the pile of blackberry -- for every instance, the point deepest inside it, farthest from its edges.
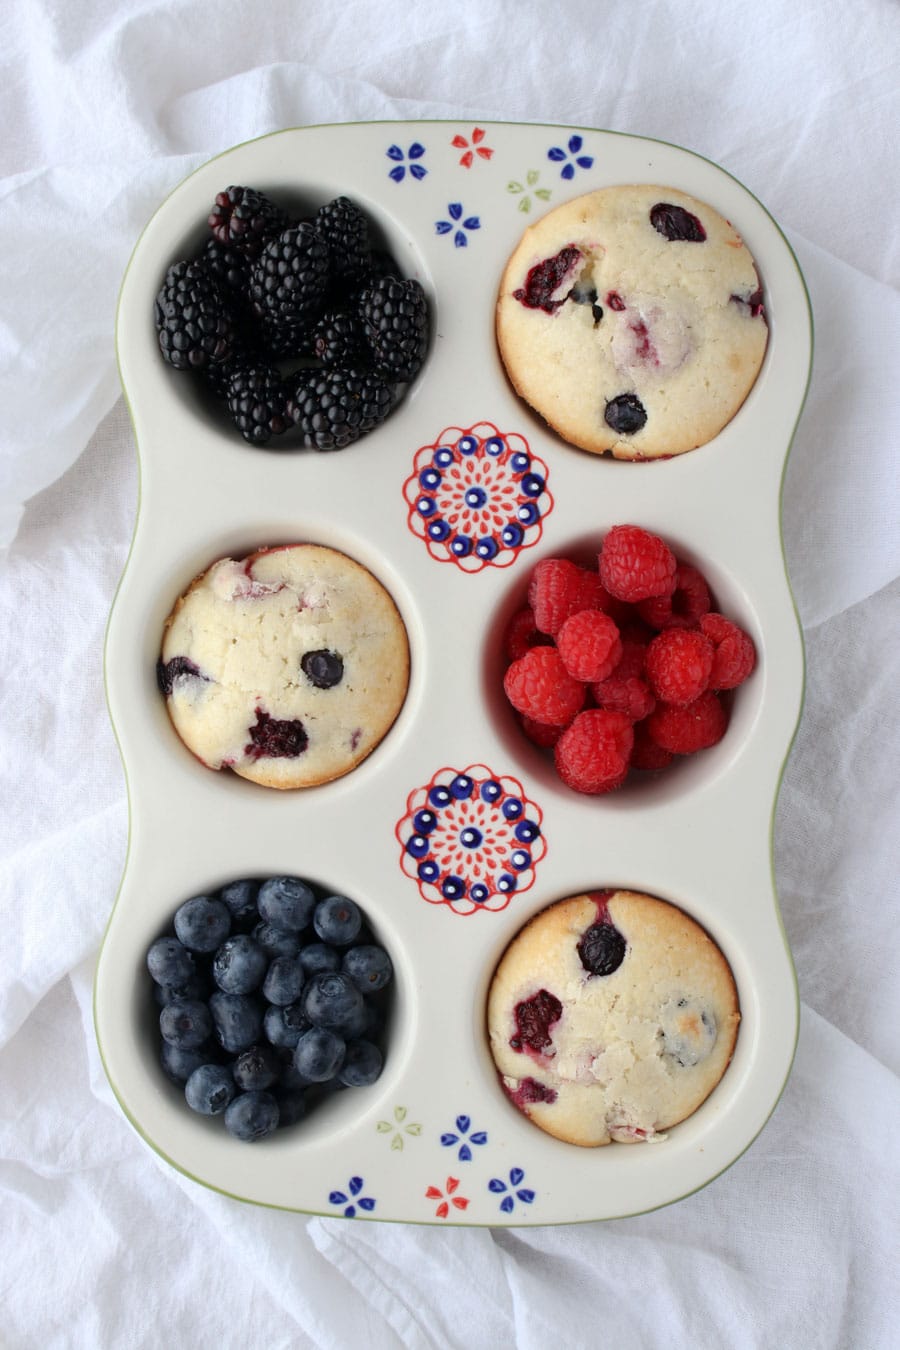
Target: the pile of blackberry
(300, 327)
(270, 994)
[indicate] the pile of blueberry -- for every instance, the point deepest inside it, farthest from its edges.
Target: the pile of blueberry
(271, 995)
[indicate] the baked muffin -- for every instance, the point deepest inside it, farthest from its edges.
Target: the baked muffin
(611, 1016)
(632, 320)
(287, 667)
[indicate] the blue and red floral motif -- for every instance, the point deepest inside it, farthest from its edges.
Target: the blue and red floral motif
(470, 839)
(477, 496)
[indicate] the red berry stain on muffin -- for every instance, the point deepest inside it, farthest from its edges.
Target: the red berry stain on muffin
(276, 738)
(753, 302)
(644, 349)
(534, 1018)
(529, 1091)
(545, 278)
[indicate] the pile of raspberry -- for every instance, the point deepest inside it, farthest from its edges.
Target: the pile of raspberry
(622, 667)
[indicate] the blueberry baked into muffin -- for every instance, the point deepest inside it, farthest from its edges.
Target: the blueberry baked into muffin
(632, 320)
(287, 667)
(611, 1016)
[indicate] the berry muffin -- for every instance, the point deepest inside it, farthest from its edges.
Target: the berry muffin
(287, 667)
(632, 320)
(611, 1016)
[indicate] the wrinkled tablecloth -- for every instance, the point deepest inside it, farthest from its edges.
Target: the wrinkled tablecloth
(105, 105)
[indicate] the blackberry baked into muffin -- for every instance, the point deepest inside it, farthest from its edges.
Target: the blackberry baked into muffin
(287, 667)
(632, 320)
(611, 1016)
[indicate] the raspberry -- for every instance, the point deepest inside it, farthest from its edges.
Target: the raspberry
(539, 686)
(647, 755)
(686, 605)
(734, 657)
(635, 564)
(539, 733)
(592, 754)
(627, 694)
(522, 634)
(589, 645)
(559, 589)
(684, 730)
(626, 690)
(678, 665)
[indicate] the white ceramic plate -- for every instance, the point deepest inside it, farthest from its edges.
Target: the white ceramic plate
(435, 1139)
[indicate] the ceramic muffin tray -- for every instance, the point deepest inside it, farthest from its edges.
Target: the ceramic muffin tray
(435, 1139)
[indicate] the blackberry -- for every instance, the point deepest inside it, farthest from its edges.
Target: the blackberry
(339, 339)
(395, 318)
(258, 402)
(245, 218)
(193, 320)
(346, 232)
(227, 265)
(283, 339)
(290, 277)
(333, 408)
(219, 376)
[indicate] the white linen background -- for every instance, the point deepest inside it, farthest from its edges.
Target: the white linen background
(104, 106)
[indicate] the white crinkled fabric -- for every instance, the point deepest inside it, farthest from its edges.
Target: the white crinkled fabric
(105, 107)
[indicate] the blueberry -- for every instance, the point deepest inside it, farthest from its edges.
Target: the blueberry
(601, 949)
(276, 941)
(178, 1064)
(354, 1025)
(240, 965)
(319, 1055)
(369, 967)
(209, 1089)
(185, 1024)
(688, 1032)
(319, 956)
(252, 1116)
(286, 902)
(291, 1105)
(625, 414)
(240, 897)
(285, 1026)
(256, 1068)
(291, 1080)
(331, 998)
(284, 981)
(675, 223)
(169, 962)
(197, 987)
(337, 919)
(237, 1019)
(324, 669)
(202, 924)
(362, 1064)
